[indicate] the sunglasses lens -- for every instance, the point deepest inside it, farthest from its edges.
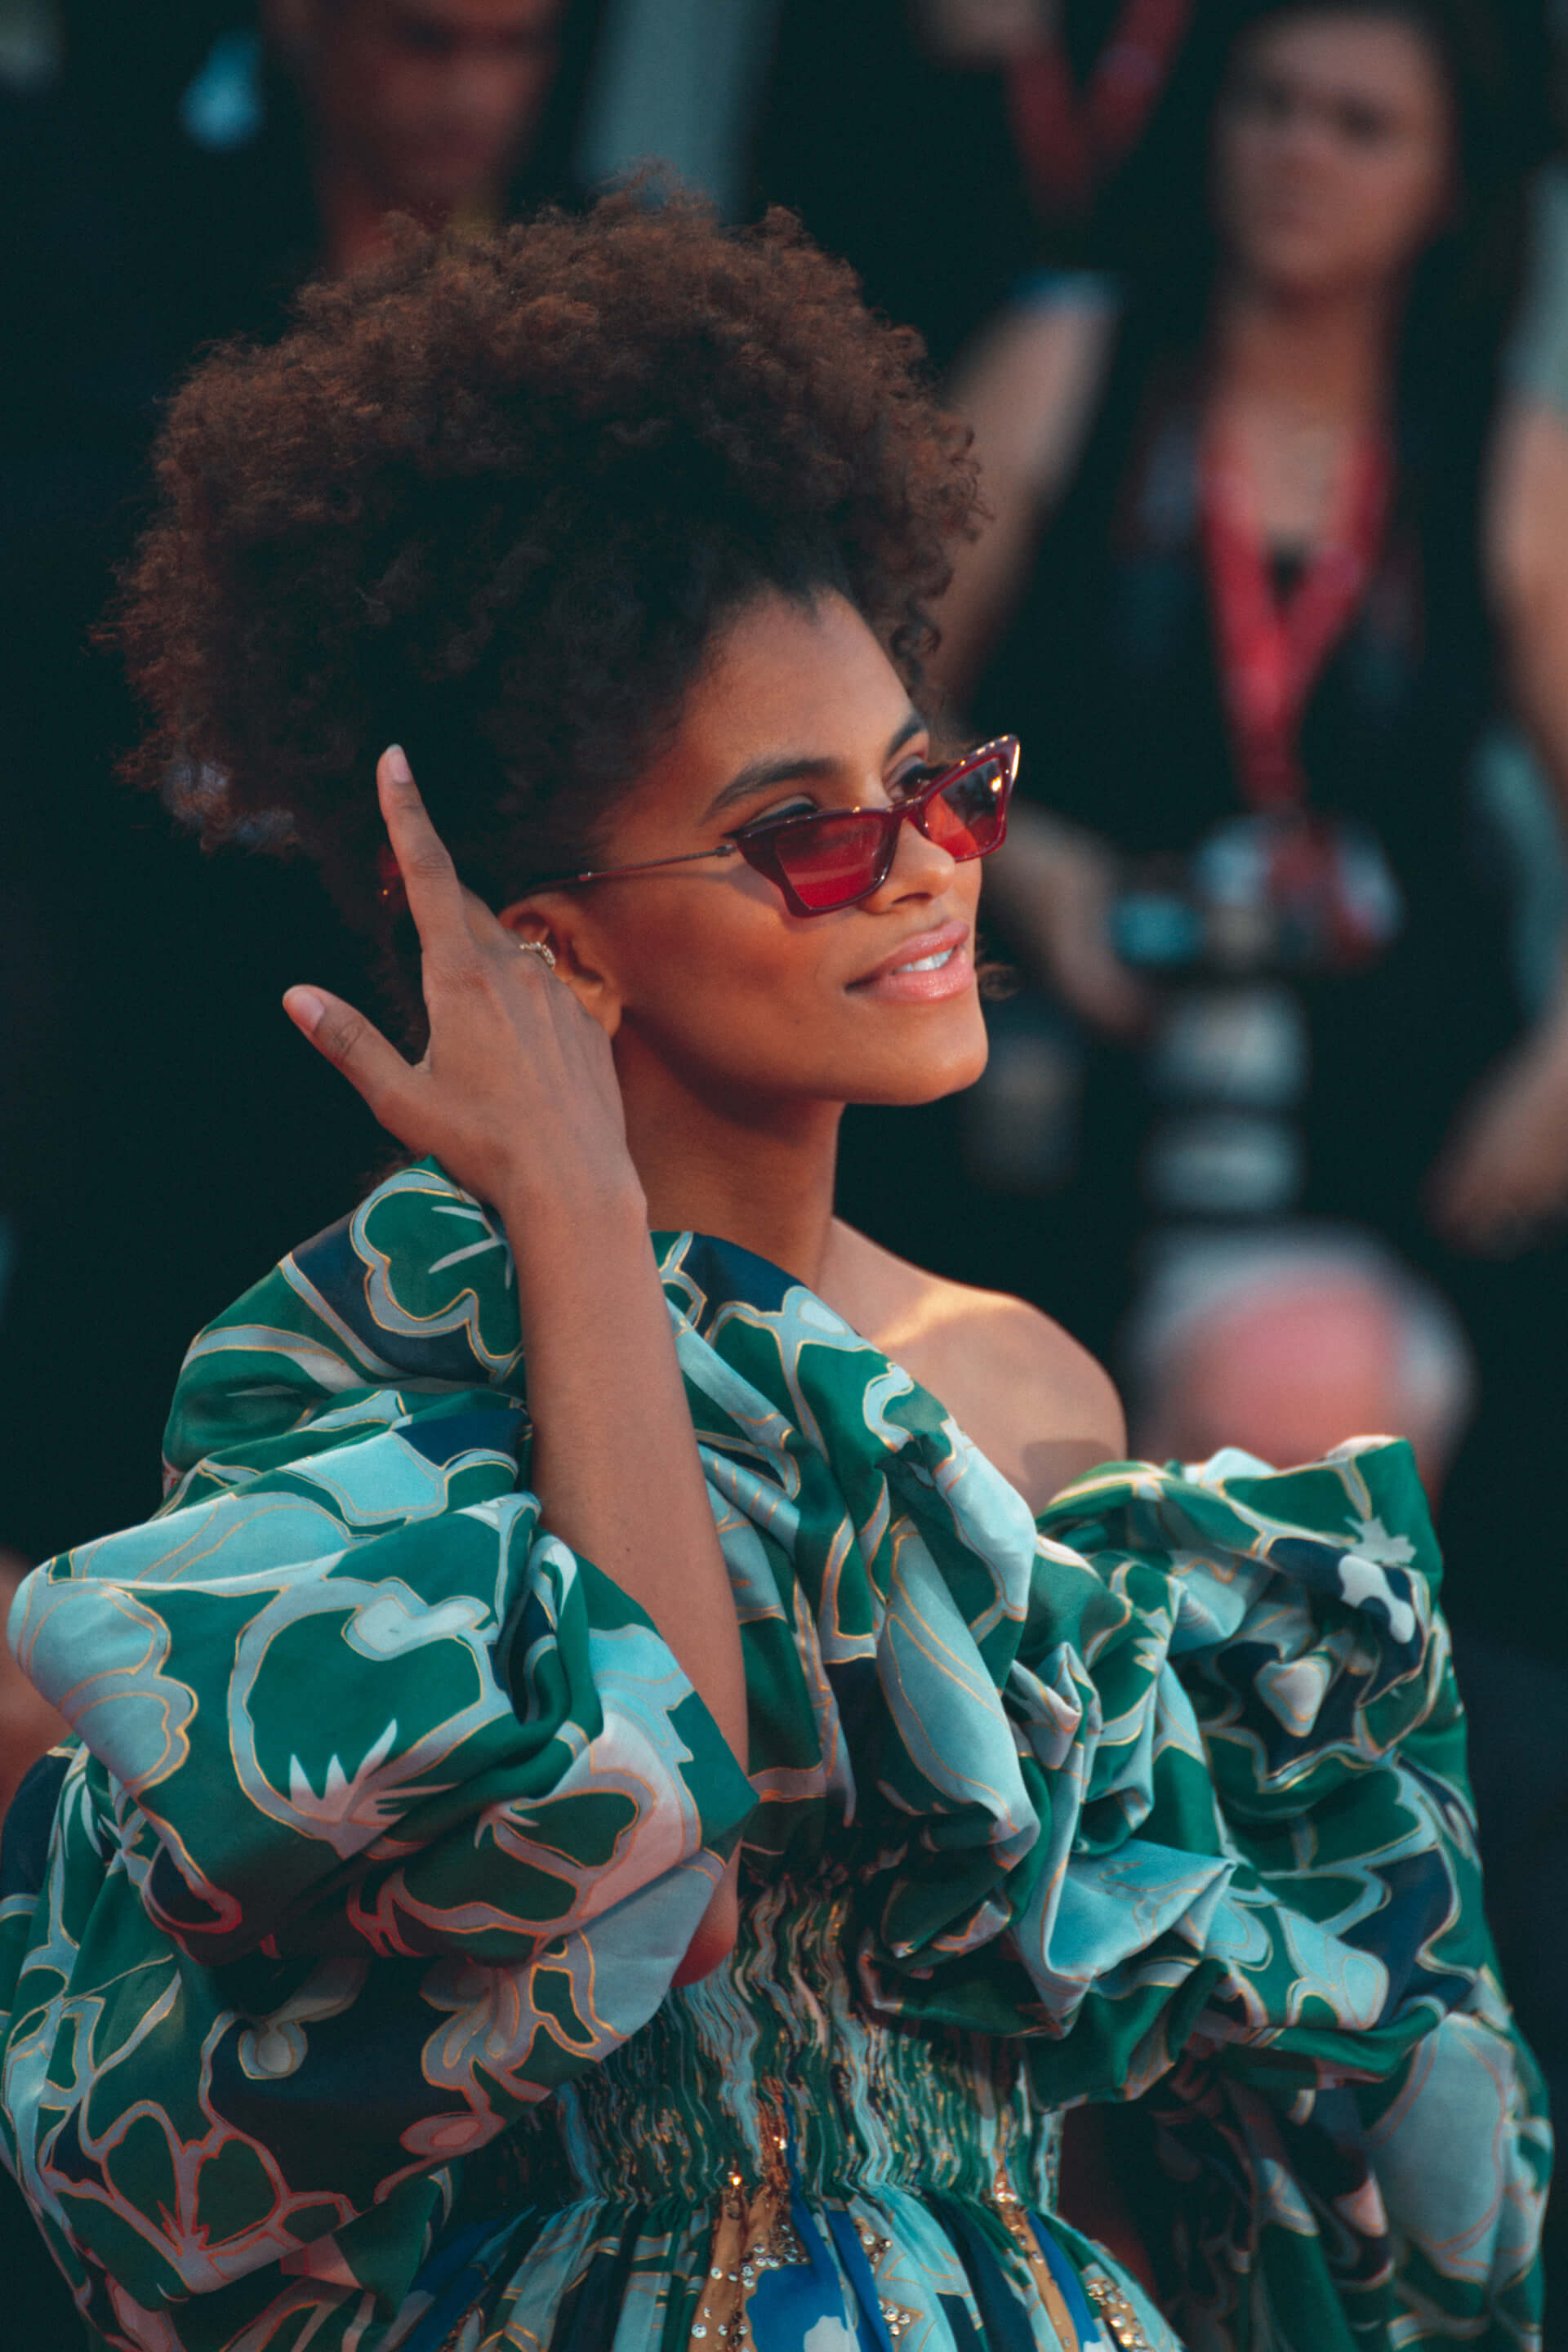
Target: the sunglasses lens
(831, 861)
(970, 817)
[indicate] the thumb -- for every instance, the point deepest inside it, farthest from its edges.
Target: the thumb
(354, 1045)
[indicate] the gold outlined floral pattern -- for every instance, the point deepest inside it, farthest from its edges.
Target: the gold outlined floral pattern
(336, 1995)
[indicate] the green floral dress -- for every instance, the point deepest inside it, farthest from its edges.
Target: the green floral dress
(336, 1955)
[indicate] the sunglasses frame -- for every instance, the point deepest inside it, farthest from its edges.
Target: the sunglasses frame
(761, 845)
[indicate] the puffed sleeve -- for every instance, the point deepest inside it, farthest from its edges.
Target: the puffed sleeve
(1254, 1900)
(389, 1813)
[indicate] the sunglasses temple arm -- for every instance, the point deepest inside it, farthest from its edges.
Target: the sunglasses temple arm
(648, 866)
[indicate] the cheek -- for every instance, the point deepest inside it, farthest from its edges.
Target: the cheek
(1250, 167)
(728, 964)
(396, 102)
(1405, 205)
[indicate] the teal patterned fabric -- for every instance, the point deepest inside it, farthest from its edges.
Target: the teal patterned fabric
(336, 1957)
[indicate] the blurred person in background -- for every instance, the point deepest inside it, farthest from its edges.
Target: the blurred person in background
(425, 107)
(1236, 571)
(1240, 600)
(1527, 559)
(945, 146)
(174, 183)
(1516, 1684)
(1281, 1343)
(171, 185)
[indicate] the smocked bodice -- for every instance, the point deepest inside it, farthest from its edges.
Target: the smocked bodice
(778, 2038)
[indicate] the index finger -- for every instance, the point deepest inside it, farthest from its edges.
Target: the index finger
(484, 928)
(429, 877)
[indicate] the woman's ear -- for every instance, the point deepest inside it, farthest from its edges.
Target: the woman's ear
(574, 940)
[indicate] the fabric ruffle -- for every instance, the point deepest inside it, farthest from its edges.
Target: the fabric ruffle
(1171, 1786)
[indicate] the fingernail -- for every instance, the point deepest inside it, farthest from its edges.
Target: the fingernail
(304, 1008)
(394, 759)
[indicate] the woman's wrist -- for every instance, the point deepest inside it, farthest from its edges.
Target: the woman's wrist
(592, 1234)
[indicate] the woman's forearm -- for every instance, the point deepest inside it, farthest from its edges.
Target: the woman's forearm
(1527, 530)
(616, 1465)
(1027, 390)
(517, 1096)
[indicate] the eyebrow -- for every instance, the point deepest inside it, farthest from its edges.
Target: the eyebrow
(763, 775)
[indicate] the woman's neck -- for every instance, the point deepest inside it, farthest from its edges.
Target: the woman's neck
(357, 216)
(758, 1173)
(1327, 357)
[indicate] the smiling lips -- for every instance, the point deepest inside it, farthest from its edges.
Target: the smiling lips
(924, 970)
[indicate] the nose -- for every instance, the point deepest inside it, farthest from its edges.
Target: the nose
(1306, 133)
(921, 869)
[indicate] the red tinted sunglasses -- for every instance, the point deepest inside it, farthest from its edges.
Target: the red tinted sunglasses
(835, 857)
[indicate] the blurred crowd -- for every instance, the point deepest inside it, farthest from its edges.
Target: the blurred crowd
(1260, 313)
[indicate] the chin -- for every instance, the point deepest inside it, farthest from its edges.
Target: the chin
(919, 1078)
(439, 189)
(1296, 263)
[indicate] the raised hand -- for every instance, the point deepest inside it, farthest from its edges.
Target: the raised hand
(516, 1095)
(517, 1098)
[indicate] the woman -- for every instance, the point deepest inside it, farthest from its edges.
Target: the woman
(1235, 588)
(410, 1959)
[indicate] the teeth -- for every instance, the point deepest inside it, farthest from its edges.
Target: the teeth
(928, 963)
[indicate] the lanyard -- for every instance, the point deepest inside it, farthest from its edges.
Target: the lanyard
(1271, 648)
(1070, 142)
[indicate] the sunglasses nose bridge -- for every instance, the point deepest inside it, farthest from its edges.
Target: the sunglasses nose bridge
(910, 823)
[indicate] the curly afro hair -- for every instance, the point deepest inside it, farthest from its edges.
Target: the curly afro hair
(491, 500)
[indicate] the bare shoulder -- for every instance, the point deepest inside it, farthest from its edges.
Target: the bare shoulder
(1032, 1398)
